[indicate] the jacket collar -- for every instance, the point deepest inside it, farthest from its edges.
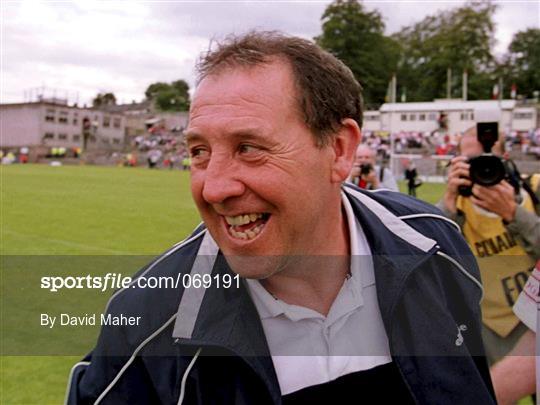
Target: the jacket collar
(397, 248)
(387, 234)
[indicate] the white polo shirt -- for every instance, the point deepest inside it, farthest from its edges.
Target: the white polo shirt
(308, 348)
(527, 304)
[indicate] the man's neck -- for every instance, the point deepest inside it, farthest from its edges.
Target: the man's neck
(314, 281)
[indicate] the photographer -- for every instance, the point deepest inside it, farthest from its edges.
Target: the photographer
(367, 175)
(501, 224)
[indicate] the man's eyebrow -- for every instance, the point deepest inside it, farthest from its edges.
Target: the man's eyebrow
(246, 134)
(249, 135)
(191, 136)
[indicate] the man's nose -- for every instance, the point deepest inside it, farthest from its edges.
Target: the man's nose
(221, 180)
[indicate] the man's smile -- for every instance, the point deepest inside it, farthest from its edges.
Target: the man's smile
(246, 226)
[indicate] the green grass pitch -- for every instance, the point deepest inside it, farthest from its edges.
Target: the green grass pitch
(83, 210)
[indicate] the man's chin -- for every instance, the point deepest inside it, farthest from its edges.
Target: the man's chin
(256, 267)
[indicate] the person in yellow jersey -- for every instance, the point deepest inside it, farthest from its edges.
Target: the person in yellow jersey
(502, 226)
(515, 376)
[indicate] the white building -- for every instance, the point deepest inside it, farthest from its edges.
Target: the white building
(55, 124)
(460, 115)
(372, 121)
(140, 116)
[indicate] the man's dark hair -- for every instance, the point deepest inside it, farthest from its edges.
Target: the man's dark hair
(327, 90)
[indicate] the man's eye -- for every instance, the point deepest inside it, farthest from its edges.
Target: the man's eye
(244, 148)
(197, 152)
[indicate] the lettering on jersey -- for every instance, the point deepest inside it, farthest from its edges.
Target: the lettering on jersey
(513, 285)
(496, 245)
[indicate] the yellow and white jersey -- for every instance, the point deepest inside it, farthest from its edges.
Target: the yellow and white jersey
(504, 264)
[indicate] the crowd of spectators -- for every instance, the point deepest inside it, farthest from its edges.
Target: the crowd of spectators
(161, 148)
(437, 143)
(14, 155)
(529, 142)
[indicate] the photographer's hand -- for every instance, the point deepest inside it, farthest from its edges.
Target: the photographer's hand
(371, 178)
(498, 199)
(458, 175)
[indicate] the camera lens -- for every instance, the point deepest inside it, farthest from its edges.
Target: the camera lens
(365, 168)
(487, 170)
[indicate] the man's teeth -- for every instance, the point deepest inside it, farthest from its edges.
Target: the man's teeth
(243, 219)
(248, 234)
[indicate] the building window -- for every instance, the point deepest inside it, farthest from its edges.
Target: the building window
(92, 139)
(422, 117)
(106, 122)
(117, 122)
(116, 141)
(63, 118)
(464, 116)
(403, 117)
(433, 117)
(412, 117)
(523, 115)
(48, 135)
(62, 137)
(76, 138)
(105, 140)
(49, 115)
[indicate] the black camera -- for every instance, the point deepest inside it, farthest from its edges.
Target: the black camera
(488, 169)
(365, 169)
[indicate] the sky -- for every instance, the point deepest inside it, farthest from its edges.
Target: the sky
(84, 47)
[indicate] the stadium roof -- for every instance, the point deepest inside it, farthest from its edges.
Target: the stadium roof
(448, 105)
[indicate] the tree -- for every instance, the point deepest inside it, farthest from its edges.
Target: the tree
(155, 88)
(172, 100)
(104, 99)
(460, 39)
(522, 63)
(181, 86)
(356, 37)
(169, 96)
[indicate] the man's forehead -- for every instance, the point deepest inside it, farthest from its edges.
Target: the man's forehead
(250, 82)
(260, 91)
(470, 139)
(364, 152)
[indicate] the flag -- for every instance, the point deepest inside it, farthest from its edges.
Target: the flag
(495, 92)
(513, 91)
(388, 96)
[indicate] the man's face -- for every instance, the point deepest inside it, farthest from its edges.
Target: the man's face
(258, 179)
(364, 156)
(470, 147)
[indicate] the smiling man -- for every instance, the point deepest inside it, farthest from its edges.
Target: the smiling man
(339, 295)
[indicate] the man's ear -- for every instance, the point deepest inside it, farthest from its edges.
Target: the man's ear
(344, 145)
